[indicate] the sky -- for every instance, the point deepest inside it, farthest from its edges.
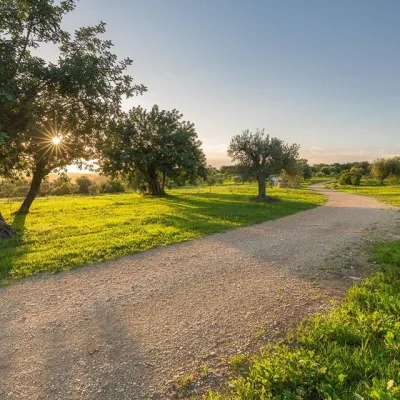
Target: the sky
(321, 73)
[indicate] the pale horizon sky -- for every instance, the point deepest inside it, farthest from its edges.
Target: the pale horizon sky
(321, 73)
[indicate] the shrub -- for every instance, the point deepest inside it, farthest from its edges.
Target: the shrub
(94, 189)
(64, 188)
(384, 168)
(45, 187)
(355, 179)
(345, 178)
(112, 186)
(83, 183)
(325, 170)
(14, 188)
(7, 189)
(319, 174)
(350, 178)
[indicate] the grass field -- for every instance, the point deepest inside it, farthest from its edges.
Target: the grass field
(386, 194)
(62, 233)
(352, 352)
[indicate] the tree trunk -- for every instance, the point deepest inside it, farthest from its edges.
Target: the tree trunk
(33, 191)
(154, 185)
(6, 231)
(262, 189)
(164, 179)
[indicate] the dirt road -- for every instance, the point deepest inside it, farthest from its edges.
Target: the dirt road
(121, 329)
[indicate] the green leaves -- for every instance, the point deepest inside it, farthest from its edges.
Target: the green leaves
(260, 156)
(158, 143)
(75, 98)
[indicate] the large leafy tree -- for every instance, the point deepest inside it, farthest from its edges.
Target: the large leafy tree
(155, 144)
(53, 115)
(261, 156)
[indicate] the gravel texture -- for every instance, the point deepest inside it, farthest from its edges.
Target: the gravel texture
(121, 329)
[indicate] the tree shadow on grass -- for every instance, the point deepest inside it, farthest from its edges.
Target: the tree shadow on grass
(12, 249)
(219, 212)
(19, 223)
(189, 216)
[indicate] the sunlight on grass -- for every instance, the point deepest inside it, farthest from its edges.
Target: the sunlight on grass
(62, 233)
(350, 352)
(386, 194)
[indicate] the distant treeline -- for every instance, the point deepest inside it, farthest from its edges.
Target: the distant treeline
(61, 186)
(350, 173)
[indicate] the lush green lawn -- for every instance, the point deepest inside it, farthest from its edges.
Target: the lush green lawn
(386, 194)
(352, 352)
(67, 232)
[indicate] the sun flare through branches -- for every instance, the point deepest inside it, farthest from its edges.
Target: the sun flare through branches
(54, 142)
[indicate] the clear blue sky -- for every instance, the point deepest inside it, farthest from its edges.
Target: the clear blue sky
(322, 73)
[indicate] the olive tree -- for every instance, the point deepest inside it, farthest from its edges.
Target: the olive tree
(262, 156)
(54, 114)
(155, 145)
(384, 168)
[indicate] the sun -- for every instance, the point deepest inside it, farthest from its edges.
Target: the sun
(56, 140)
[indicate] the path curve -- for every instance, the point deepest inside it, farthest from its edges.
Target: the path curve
(119, 329)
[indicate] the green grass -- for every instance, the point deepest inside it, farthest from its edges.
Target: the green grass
(387, 194)
(351, 352)
(68, 232)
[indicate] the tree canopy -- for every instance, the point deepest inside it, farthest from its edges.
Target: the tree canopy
(262, 156)
(156, 144)
(53, 115)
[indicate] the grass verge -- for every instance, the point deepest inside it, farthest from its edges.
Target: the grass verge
(62, 233)
(351, 352)
(386, 194)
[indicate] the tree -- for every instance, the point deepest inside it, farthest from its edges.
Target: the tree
(63, 186)
(326, 170)
(305, 168)
(262, 156)
(83, 183)
(53, 115)
(213, 177)
(384, 168)
(94, 189)
(6, 231)
(296, 172)
(155, 143)
(112, 186)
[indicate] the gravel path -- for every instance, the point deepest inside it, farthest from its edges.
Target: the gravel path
(120, 329)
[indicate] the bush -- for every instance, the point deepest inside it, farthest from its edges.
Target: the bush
(64, 188)
(355, 179)
(349, 178)
(7, 189)
(83, 183)
(14, 188)
(94, 189)
(326, 170)
(385, 168)
(320, 174)
(112, 186)
(345, 178)
(45, 187)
